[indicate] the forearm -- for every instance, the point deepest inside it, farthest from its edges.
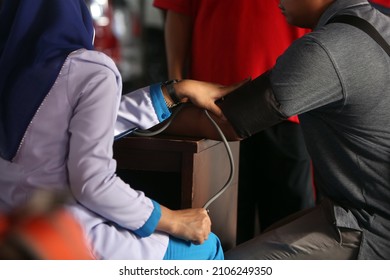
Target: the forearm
(178, 33)
(142, 108)
(191, 120)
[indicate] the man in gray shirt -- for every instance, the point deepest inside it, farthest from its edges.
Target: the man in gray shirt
(337, 79)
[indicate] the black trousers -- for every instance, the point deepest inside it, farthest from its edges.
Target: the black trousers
(275, 178)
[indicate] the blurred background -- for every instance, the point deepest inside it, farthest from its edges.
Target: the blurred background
(131, 33)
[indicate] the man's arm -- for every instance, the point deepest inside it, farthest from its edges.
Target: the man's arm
(249, 108)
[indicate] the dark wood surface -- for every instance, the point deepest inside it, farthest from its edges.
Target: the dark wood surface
(181, 172)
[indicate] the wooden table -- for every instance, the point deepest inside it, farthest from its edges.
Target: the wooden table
(182, 173)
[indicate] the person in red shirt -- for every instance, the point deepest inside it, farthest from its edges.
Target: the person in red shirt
(382, 5)
(227, 41)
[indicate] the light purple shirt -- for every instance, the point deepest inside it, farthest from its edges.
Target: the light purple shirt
(68, 146)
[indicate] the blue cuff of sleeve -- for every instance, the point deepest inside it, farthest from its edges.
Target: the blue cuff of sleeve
(150, 226)
(158, 101)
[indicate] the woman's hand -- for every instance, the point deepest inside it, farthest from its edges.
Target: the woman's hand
(204, 94)
(189, 224)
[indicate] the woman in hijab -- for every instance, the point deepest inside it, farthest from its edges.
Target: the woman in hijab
(58, 115)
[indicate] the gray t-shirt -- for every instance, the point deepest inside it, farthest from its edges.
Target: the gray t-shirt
(337, 79)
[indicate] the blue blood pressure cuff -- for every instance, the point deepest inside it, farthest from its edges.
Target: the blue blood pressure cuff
(252, 107)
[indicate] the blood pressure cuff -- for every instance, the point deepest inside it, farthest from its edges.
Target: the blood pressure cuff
(252, 107)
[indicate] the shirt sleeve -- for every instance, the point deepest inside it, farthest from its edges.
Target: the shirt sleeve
(142, 108)
(91, 166)
(151, 224)
(305, 78)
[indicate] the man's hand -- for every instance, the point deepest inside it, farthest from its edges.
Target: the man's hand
(204, 94)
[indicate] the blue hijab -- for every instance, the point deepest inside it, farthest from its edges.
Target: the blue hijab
(36, 36)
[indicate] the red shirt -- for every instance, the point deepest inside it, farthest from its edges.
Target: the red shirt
(234, 39)
(385, 3)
